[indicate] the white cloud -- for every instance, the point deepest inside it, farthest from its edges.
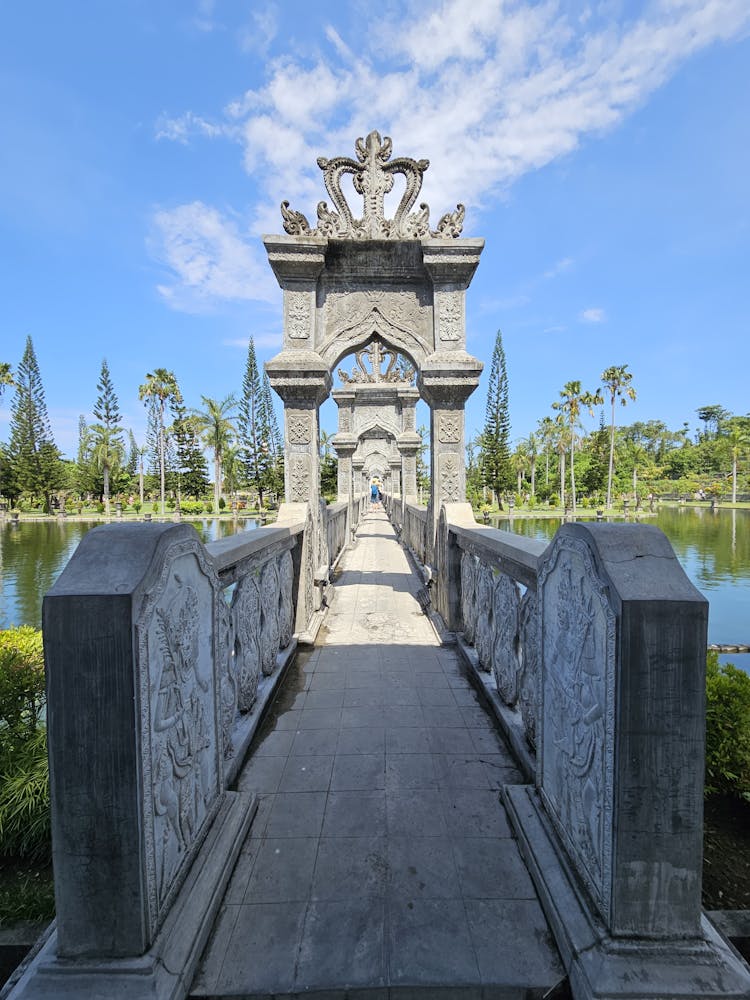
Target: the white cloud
(593, 315)
(489, 91)
(257, 35)
(209, 258)
(559, 267)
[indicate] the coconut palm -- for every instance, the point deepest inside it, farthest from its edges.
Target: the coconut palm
(216, 426)
(572, 399)
(159, 389)
(616, 380)
(738, 439)
(6, 377)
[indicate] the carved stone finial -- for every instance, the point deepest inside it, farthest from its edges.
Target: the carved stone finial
(372, 177)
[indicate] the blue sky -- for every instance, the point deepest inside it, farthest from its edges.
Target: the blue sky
(601, 149)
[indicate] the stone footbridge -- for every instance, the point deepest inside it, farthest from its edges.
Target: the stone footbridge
(498, 800)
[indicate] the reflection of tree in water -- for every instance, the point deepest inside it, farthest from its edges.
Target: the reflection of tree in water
(714, 546)
(32, 556)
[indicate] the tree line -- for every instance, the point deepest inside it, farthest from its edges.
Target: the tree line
(560, 463)
(240, 432)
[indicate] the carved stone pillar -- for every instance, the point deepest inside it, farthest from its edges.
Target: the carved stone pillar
(408, 446)
(358, 477)
(395, 477)
(446, 383)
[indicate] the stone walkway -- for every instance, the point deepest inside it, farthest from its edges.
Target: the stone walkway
(381, 863)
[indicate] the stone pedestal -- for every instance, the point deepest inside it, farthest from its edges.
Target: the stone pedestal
(613, 832)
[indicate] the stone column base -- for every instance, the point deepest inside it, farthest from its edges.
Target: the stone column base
(166, 971)
(599, 966)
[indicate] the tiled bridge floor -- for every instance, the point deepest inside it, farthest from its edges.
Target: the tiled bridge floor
(381, 862)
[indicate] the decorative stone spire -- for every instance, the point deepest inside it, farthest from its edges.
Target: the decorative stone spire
(376, 354)
(372, 176)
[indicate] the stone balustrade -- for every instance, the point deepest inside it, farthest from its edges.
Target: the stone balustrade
(161, 655)
(412, 522)
(592, 649)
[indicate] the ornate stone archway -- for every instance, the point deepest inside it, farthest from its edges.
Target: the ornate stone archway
(348, 282)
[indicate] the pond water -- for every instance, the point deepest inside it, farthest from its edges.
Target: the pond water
(714, 549)
(34, 553)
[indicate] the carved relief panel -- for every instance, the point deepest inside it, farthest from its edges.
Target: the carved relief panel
(577, 709)
(468, 595)
(297, 314)
(449, 308)
(528, 679)
(246, 617)
(449, 428)
(298, 425)
(299, 478)
(449, 466)
(504, 658)
(182, 769)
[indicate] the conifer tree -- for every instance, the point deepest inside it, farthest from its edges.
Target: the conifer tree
(106, 434)
(34, 458)
(497, 469)
(255, 445)
(191, 462)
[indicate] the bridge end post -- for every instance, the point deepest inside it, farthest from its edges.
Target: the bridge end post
(613, 830)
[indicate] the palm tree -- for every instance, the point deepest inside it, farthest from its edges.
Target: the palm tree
(572, 398)
(5, 376)
(738, 440)
(159, 389)
(216, 425)
(532, 446)
(617, 381)
(547, 437)
(520, 463)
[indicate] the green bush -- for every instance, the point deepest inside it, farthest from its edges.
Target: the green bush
(222, 503)
(22, 694)
(209, 508)
(24, 799)
(727, 729)
(137, 506)
(191, 506)
(24, 778)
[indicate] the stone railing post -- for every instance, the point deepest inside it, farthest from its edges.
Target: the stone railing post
(620, 769)
(131, 638)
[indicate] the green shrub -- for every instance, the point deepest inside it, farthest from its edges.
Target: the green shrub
(24, 799)
(209, 508)
(21, 686)
(137, 506)
(554, 500)
(222, 503)
(100, 508)
(727, 729)
(191, 506)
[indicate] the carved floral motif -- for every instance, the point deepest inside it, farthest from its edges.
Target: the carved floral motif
(449, 428)
(299, 478)
(297, 305)
(298, 425)
(485, 618)
(468, 595)
(376, 354)
(450, 315)
(449, 477)
(399, 309)
(286, 606)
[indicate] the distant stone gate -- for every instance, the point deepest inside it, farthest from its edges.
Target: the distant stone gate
(353, 283)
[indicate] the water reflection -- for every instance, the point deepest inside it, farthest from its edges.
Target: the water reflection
(34, 553)
(714, 549)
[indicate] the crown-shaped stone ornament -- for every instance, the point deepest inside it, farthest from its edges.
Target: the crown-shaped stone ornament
(372, 177)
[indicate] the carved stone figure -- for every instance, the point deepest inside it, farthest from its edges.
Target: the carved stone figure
(468, 595)
(181, 770)
(269, 625)
(246, 618)
(528, 679)
(578, 649)
(485, 618)
(286, 606)
(504, 659)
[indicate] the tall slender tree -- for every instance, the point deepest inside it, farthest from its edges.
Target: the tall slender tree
(254, 452)
(159, 389)
(34, 457)
(616, 380)
(572, 398)
(496, 464)
(192, 472)
(216, 425)
(107, 440)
